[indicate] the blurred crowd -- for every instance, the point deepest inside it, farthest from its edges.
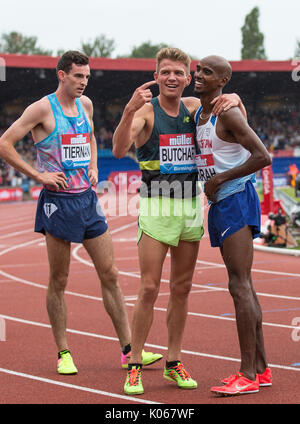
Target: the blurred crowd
(278, 130)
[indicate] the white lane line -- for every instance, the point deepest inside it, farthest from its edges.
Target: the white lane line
(263, 271)
(85, 296)
(16, 233)
(222, 318)
(134, 297)
(41, 286)
(18, 223)
(18, 246)
(153, 346)
(75, 387)
(203, 286)
(136, 275)
(124, 227)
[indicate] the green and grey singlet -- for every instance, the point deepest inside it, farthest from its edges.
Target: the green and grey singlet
(167, 159)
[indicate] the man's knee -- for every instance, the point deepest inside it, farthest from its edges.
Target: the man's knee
(109, 276)
(181, 289)
(149, 290)
(58, 280)
(240, 288)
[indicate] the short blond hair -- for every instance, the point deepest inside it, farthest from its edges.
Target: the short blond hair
(174, 54)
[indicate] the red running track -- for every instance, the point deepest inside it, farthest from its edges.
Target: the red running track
(210, 347)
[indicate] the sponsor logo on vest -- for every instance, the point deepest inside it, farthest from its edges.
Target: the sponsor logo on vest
(180, 140)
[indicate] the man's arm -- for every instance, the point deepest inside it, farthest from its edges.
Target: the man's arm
(225, 102)
(32, 116)
(221, 104)
(133, 120)
(237, 129)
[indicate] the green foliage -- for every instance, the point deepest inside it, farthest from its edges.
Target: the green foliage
(297, 50)
(146, 50)
(99, 47)
(252, 38)
(15, 42)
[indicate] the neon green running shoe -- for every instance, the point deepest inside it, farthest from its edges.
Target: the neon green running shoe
(65, 364)
(133, 383)
(148, 358)
(179, 375)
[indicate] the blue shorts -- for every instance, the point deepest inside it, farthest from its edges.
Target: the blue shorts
(232, 214)
(71, 217)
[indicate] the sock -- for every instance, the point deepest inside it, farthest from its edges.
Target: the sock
(62, 352)
(172, 364)
(126, 349)
(134, 365)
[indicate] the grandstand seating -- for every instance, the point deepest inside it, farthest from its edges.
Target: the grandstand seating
(281, 165)
(107, 163)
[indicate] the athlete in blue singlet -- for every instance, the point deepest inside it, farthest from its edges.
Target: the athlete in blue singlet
(68, 209)
(229, 152)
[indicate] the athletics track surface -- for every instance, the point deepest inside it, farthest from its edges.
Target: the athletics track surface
(210, 347)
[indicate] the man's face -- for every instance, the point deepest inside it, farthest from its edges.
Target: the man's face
(76, 80)
(172, 78)
(206, 78)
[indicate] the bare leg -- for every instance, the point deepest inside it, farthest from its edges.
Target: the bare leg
(152, 254)
(100, 250)
(59, 262)
(261, 362)
(183, 260)
(237, 252)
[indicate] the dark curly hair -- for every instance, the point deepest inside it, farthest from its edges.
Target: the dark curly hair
(68, 58)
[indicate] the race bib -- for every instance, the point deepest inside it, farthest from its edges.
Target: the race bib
(206, 166)
(75, 150)
(177, 153)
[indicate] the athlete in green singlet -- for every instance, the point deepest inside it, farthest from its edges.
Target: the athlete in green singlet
(163, 132)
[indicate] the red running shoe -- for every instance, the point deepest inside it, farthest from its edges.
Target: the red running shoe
(265, 379)
(240, 386)
(231, 378)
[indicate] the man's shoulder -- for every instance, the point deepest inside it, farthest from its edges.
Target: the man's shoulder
(40, 107)
(86, 101)
(87, 105)
(191, 103)
(230, 115)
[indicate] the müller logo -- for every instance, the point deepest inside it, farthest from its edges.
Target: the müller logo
(79, 139)
(180, 140)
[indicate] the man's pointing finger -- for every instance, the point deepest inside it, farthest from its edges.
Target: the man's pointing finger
(148, 84)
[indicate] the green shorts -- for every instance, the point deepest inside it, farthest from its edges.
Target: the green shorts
(171, 220)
